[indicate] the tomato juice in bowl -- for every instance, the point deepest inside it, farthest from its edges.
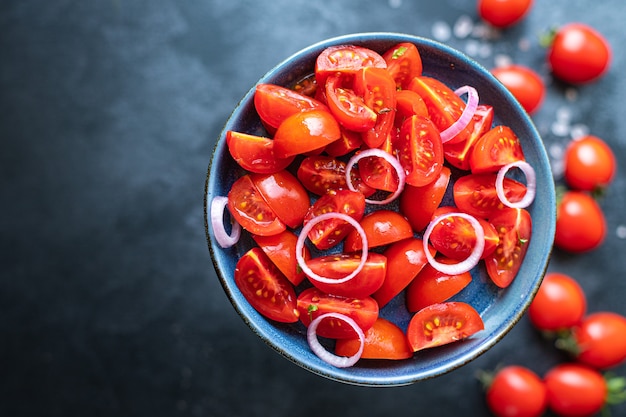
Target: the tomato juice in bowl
(500, 308)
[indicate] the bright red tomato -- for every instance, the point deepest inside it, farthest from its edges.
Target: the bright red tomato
(503, 13)
(313, 302)
(285, 196)
(418, 204)
(320, 174)
(589, 164)
(516, 391)
(514, 230)
(432, 286)
(579, 54)
(409, 103)
(381, 227)
(524, 83)
(345, 59)
(348, 108)
(560, 303)
(378, 173)
(575, 390)
(419, 150)
(405, 259)
(403, 63)
(265, 287)
(304, 132)
(580, 223)
(496, 148)
(601, 340)
(281, 249)
(384, 340)
(255, 153)
(337, 266)
(443, 323)
(476, 194)
(274, 103)
(249, 208)
(348, 142)
(457, 154)
(378, 90)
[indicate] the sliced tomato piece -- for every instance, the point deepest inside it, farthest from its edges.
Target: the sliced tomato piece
(348, 108)
(419, 150)
(443, 323)
(255, 153)
(338, 266)
(384, 340)
(281, 249)
(514, 230)
(378, 90)
(251, 211)
(313, 303)
(405, 259)
(348, 142)
(409, 103)
(320, 174)
(403, 63)
(304, 132)
(265, 287)
(457, 154)
(496, 148)
(476, 194)
(284, 194)
(418, 204)
(432, 286)
(377, 173)
(274, 103)
(345, 59)
(381, 227)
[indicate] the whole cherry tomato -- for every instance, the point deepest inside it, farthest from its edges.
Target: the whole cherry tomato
(579, 54)
(589, 164)
(560, 303)
(580, 223)
(601, 340)
(575, 390)
(516, 391)
(503, 13)
(524, 83)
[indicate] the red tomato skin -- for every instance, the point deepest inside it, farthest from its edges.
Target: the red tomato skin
(590, 164)
(516, 391)
(281, 249)
(475, 194)
(320, 174)
(384, 340)
(560, 303)
(418, 204)
(579, 54)
(381, 227)
(503, 13)
(458, 154)
(378, 90)
(403, 63)
(580, 223)
(348, 108)
(496, 148)
(265, 287)
(575, 390)
(284, 194)
(601, 338)
(405, 259)
(250, 209)
(274, 103)
(255, 153)
(409, 103)
(524, 83)
(304, 132)
(419, 150)
(345, 59)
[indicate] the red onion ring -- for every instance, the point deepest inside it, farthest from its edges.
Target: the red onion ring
(322, 353)
(225, 240)
(466, 116)
(531, 184)
(387, 157)
(303, 236)
(468, 263)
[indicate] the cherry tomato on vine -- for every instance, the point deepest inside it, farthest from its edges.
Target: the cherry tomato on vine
(580, 223)
(503, 13)
(590, 164)
(575, 390)
(384, 340)
(601, 340)
(516, 391)
(524, 83)
(559, 304)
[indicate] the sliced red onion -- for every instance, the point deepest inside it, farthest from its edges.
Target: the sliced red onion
(468, 263)
(225, 240)
(466, 116)
(387, 157)
(322, 353)
(531, 184)
(303, 236)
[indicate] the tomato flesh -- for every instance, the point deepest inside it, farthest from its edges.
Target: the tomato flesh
(285, 196)
(498, 147)
(403, 63)
(476, 194)
(320, 174)
(349, 108)
(457, 154)
(281, 249)
(384, 340)
(420, 150)
(345, 59)
(378, 90)
(274, 103)
(255, 153)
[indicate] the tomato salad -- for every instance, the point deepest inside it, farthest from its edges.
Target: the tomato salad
(343, 198)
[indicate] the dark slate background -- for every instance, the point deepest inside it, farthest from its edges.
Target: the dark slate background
(109, 111)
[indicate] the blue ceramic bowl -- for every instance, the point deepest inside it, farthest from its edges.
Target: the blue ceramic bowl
(500, 309)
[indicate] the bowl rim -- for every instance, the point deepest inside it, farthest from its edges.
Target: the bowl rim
(344, 375)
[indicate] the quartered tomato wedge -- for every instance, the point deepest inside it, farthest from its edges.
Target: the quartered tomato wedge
(458, 154)
(274, 103)
(304, 132)
(348, 142)
(514, 230)
(284, 194)
(320, 174)
(476, 194)
(378, 173)
(281, 249)
(498, 147)
(403, 63)
(338, 266)
(381, 227)
(378, 90)
(409, 103)
(265, 287)
(251, 211)
(443, 323)
(313, 302)
(384, 340)
(419, 150)
(418, 204)
(255, 153)
(349, 108)
(345, 59)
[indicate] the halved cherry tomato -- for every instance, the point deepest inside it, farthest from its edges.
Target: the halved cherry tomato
(590, 164)
(255, 153)
(524, 83)
(328, 233)
(496, 148)
(409, 103)
(250, 209)
(443, 323)
(418, 204)
(345, 59)
(384, 340)
(403, 63)
(304, 132)
(281, 249)
(476, 194)
(338, 266)
(265, 287)
(378, 173)
(601, 340)
(348, 108)
(575, 390)
(432, 286)
(514, 230)
(274, 103)
(559, 304)
(420, 150)
(405, 259)
(381, 227)
(313, 302)
(378, 90)
(457, 154)
(580, 223)
(320, 174)
(284, 194)
(516, 391)
(348, 142)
